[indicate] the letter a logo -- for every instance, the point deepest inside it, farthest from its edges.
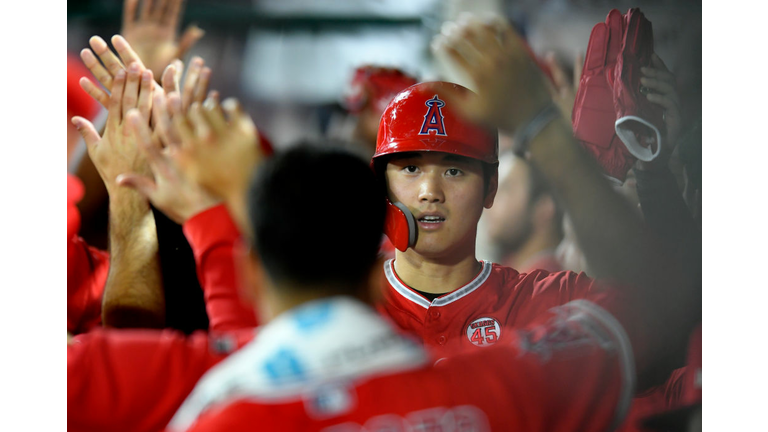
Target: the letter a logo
(433, 119)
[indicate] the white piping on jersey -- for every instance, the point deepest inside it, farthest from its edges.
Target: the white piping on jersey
(389, 272)
(625, 355)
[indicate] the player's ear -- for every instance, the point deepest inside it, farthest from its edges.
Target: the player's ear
(493, 187)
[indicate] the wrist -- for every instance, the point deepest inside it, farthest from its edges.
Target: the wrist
(124, 200)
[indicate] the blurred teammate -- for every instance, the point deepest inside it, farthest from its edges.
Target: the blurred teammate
(525, 222)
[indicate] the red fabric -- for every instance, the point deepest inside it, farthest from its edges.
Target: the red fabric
(212, 235)
(87, 269)
(135, 380)
(375, 87)
(628, 100)
(657, 399)
(420, 119)
(547, 379)
(79, 103)
(593, 111)
(512, 299)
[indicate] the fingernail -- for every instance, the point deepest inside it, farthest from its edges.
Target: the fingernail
(133, 68)
(146, 76)
(75, 121)
(120, 74)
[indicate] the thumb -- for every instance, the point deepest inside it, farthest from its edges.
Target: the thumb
(87, 131)
(190, 37)
(143, 185)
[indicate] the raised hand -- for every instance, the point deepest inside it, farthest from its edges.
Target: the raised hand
(112, 65)
(510, 86)
(153, 32)
(196, 81)
(219, 145)
(167, 189)
(663, 91)
(116, 152)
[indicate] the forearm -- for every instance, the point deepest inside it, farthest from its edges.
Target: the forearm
(133, 295)
(620, 247)
(213, 235)
(613, 238)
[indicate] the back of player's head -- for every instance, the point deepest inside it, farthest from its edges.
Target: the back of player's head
(317, 217)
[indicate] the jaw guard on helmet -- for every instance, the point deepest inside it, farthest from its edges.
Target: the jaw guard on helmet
(419, 119)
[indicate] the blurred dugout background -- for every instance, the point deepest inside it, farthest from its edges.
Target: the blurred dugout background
(289, 61)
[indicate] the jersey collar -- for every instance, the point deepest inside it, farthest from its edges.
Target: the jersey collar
(408, 293)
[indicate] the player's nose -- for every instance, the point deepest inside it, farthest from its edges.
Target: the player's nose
(431, 190)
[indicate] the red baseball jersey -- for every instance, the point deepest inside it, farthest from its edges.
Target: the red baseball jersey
(134, 380)
(337, 366)
(481, 312)
(87, 269)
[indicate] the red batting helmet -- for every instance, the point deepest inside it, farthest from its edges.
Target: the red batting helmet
(420, 119)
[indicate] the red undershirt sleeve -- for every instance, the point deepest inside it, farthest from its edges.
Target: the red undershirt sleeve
(212, 234)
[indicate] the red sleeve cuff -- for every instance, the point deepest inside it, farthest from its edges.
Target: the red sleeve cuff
(209, 227)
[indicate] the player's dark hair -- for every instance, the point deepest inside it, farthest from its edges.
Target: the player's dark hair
(317, 216)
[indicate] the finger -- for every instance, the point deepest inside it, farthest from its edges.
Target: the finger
(172, 14)
(182, 126)
(190, 37)
(578, 67)
(558, 74)
(200, 123)
(146, 8)
(110, 60)
(658, 74)
(159, 11)
(153, 151)
(193, 73)
(131, 92)
(87, 131)
(658, 85)
(169, 83)
(116, 99)
(179, 71)
(215, 116)
(658, 63)
(141, 184)
(668, 103)
(127, 54)
(235, 113)
(162, 118)
(201, 88)
(129, 13)
(145, 94)
(174, 104)
(98, 71)
(94, 91)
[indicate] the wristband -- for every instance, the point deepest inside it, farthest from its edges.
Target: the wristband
(525, 134)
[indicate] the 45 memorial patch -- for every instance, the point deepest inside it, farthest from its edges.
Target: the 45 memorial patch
(484, 331)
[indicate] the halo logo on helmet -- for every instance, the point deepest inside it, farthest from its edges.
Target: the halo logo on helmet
(433, 119)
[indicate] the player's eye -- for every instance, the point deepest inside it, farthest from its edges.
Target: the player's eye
(411, 169)
(453, 172)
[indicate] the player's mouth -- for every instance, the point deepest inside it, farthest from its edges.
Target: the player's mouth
(430, 221)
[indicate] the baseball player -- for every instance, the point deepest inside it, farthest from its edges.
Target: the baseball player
(442, 169)
(327, 361)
